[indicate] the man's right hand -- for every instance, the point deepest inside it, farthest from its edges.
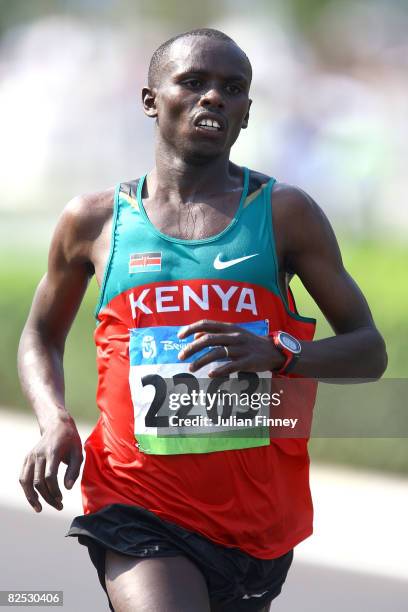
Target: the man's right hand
(60, 442)
(71, 264)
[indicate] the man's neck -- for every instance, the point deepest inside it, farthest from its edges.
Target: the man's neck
(176, 179)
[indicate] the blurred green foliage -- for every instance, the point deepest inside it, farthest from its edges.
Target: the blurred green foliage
(20, 12)
(180, 14)
(177, 15)
(379, 268)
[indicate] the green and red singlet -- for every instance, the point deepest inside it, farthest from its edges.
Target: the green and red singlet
(246, 492)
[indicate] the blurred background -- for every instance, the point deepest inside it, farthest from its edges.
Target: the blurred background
(329, 113)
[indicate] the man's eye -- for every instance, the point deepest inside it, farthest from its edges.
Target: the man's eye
(233, 89)
(193, 83)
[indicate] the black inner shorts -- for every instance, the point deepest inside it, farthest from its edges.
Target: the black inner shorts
(234, 579)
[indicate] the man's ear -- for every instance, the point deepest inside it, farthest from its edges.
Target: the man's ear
(246, 118)
(149, 101)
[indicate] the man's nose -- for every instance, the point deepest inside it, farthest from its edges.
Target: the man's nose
(212, 97)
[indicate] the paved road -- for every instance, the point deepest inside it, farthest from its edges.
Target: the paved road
(360, 518)
(35, 555)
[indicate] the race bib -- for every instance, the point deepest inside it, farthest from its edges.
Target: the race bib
(177, 411)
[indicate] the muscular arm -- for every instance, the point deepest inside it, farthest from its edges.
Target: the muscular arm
(309, 249)
(54, 307)
(41, 350)
(306, 246)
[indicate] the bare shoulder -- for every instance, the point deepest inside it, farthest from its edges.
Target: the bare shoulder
(82, 223)
(290, 203)
(294, 201)
(86, 211)
(296, 211)
(301, 226)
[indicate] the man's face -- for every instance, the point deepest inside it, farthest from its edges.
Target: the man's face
(201, 101)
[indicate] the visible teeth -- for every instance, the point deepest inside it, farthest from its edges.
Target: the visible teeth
(210, 123)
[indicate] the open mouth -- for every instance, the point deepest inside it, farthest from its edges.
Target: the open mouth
(210, 125)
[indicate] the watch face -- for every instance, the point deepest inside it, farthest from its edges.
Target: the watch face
(290, 343)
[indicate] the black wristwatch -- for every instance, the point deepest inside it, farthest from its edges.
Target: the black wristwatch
(290, 347)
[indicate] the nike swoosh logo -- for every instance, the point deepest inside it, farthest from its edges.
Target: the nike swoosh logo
(220, 265)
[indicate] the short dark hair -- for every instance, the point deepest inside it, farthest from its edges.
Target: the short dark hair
(161, 52)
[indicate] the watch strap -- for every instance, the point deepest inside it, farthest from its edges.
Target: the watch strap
(290, 357)
(289, 364)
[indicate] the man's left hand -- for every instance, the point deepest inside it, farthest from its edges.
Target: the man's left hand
(247, 352)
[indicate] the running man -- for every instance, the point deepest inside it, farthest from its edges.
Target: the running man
(193, 261)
